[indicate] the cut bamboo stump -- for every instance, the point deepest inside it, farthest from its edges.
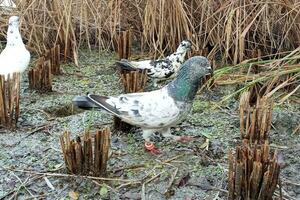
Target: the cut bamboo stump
(40, 77)
(253, 173)
(9, 100)
(82, 157)
(54, 56)
(255, 120)
(124, 44)
(134, 81)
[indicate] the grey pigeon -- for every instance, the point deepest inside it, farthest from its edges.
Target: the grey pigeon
(158, 110)
(162, 68)
(15, 57)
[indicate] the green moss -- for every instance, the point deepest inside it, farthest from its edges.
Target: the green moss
(200, 106)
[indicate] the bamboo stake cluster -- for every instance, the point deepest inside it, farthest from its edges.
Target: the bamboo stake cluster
(82, 157)
(134, 81)
(124, 44)
(9, 100)
(253, 173)
(40, 77)
(54, 56)
(255, 120)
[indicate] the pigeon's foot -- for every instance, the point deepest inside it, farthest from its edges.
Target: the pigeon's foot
(184, 139)
(151, 148)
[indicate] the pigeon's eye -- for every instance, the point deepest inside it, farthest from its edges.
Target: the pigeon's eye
(10, 24)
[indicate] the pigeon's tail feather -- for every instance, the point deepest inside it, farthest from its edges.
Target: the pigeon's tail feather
(101, 101)
(84, 102)
(125, 65)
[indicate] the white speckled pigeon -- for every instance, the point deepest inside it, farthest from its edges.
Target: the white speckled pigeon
(159, 110)
(162, 68)
(15, 57)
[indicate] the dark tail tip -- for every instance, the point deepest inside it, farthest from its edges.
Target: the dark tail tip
(83, 102)
(125, 65)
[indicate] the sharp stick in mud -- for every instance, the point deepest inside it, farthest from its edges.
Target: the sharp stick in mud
(71, 175)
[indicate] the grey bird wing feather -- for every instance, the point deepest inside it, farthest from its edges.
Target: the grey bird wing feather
(150, 109)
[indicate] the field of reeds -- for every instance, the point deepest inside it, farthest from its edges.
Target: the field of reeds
(265, 33)
(233, 30)
(253, 46)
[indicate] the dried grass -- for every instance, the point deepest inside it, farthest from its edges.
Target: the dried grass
(229, 30)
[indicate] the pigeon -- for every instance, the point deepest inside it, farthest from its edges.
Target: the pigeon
(15, 57)
(162, 68)
(158, 110)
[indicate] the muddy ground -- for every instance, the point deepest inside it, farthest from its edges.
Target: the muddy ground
(33, 150)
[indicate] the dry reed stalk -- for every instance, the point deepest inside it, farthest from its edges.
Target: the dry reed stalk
(48, 23)
(102, 143)
(79, 157)
(124, 44)
(255, 117)
(253, 173)
(134, 81)
(234, 29)
(9, 100)
(40, 77)
(53, 55)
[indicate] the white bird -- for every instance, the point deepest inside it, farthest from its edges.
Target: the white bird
(159, 110)
(15, 57)
(162, 68)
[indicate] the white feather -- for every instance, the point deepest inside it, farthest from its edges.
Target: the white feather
(15, 57)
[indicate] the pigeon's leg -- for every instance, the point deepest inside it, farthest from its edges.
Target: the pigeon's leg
(149, 146)
(167, 134)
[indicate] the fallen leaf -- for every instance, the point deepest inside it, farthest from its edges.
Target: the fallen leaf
(73, 195)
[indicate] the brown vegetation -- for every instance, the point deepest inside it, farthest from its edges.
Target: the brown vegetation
(234, 30)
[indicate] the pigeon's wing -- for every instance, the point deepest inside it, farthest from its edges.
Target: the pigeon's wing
(144, 64)
(149, 109)
(161, 69)
(134, 65)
